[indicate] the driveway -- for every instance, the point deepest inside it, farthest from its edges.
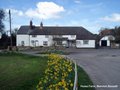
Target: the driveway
(102, 65)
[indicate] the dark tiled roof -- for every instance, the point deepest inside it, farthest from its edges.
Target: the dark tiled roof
(81, 32)
(23, 30)
(107, 32)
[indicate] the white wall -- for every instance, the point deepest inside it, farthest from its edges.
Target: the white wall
(28, 38)
(41, 39)
(80, 44)
(108, 38)
(70, 37)
(21, 38)
(50, 40)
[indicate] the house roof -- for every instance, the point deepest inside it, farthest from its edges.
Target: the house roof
(81, 32)
(107, 32)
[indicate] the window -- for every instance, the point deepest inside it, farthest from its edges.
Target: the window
(72, 36)
(59, 42)
(34, 35)
(36, 40)
(46, 36)
(60, 36)
(32, 41)
(85, 41)
(45, 43)
(22, 43)
(78, 42)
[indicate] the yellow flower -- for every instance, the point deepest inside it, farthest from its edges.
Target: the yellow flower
(66, 88)
(69, 81)
(40, 82)
(58, 70)
(71, 85)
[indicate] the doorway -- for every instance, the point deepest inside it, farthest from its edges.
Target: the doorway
(104, 43)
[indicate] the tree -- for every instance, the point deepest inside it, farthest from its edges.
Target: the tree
(117, 34)
(14, 33)
(4, 41)
(2, 16)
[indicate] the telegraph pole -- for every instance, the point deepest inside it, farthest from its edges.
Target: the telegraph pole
(10, 30)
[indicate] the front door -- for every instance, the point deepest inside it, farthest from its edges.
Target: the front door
(104, 43)
(71, 43)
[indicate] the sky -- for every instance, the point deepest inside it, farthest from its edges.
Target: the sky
(90, 14)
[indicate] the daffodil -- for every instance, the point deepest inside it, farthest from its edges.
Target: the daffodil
(56, 74)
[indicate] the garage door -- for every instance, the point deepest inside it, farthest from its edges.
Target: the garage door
(104, 43)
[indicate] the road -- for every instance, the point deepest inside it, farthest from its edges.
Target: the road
(102, 65)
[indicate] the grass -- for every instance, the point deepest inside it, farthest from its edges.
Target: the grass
(83, 79)
(55, 52)
(20, 72)
(23, 72)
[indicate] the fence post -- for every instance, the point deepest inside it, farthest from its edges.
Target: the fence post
(76, 79)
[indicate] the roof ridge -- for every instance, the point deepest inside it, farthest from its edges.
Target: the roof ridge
(55, 26)
(55, 30)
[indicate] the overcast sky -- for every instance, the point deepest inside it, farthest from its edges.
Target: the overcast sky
(91, 14)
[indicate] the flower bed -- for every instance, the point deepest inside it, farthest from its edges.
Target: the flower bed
(59, 74)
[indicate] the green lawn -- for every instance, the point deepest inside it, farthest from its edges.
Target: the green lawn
(20, 72)
(23, 72)
(83, 79)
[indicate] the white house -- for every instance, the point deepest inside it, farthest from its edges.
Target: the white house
(47, 36)
(106, 40)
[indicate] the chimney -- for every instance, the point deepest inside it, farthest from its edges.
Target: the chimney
(31, 24)
(41, 25)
